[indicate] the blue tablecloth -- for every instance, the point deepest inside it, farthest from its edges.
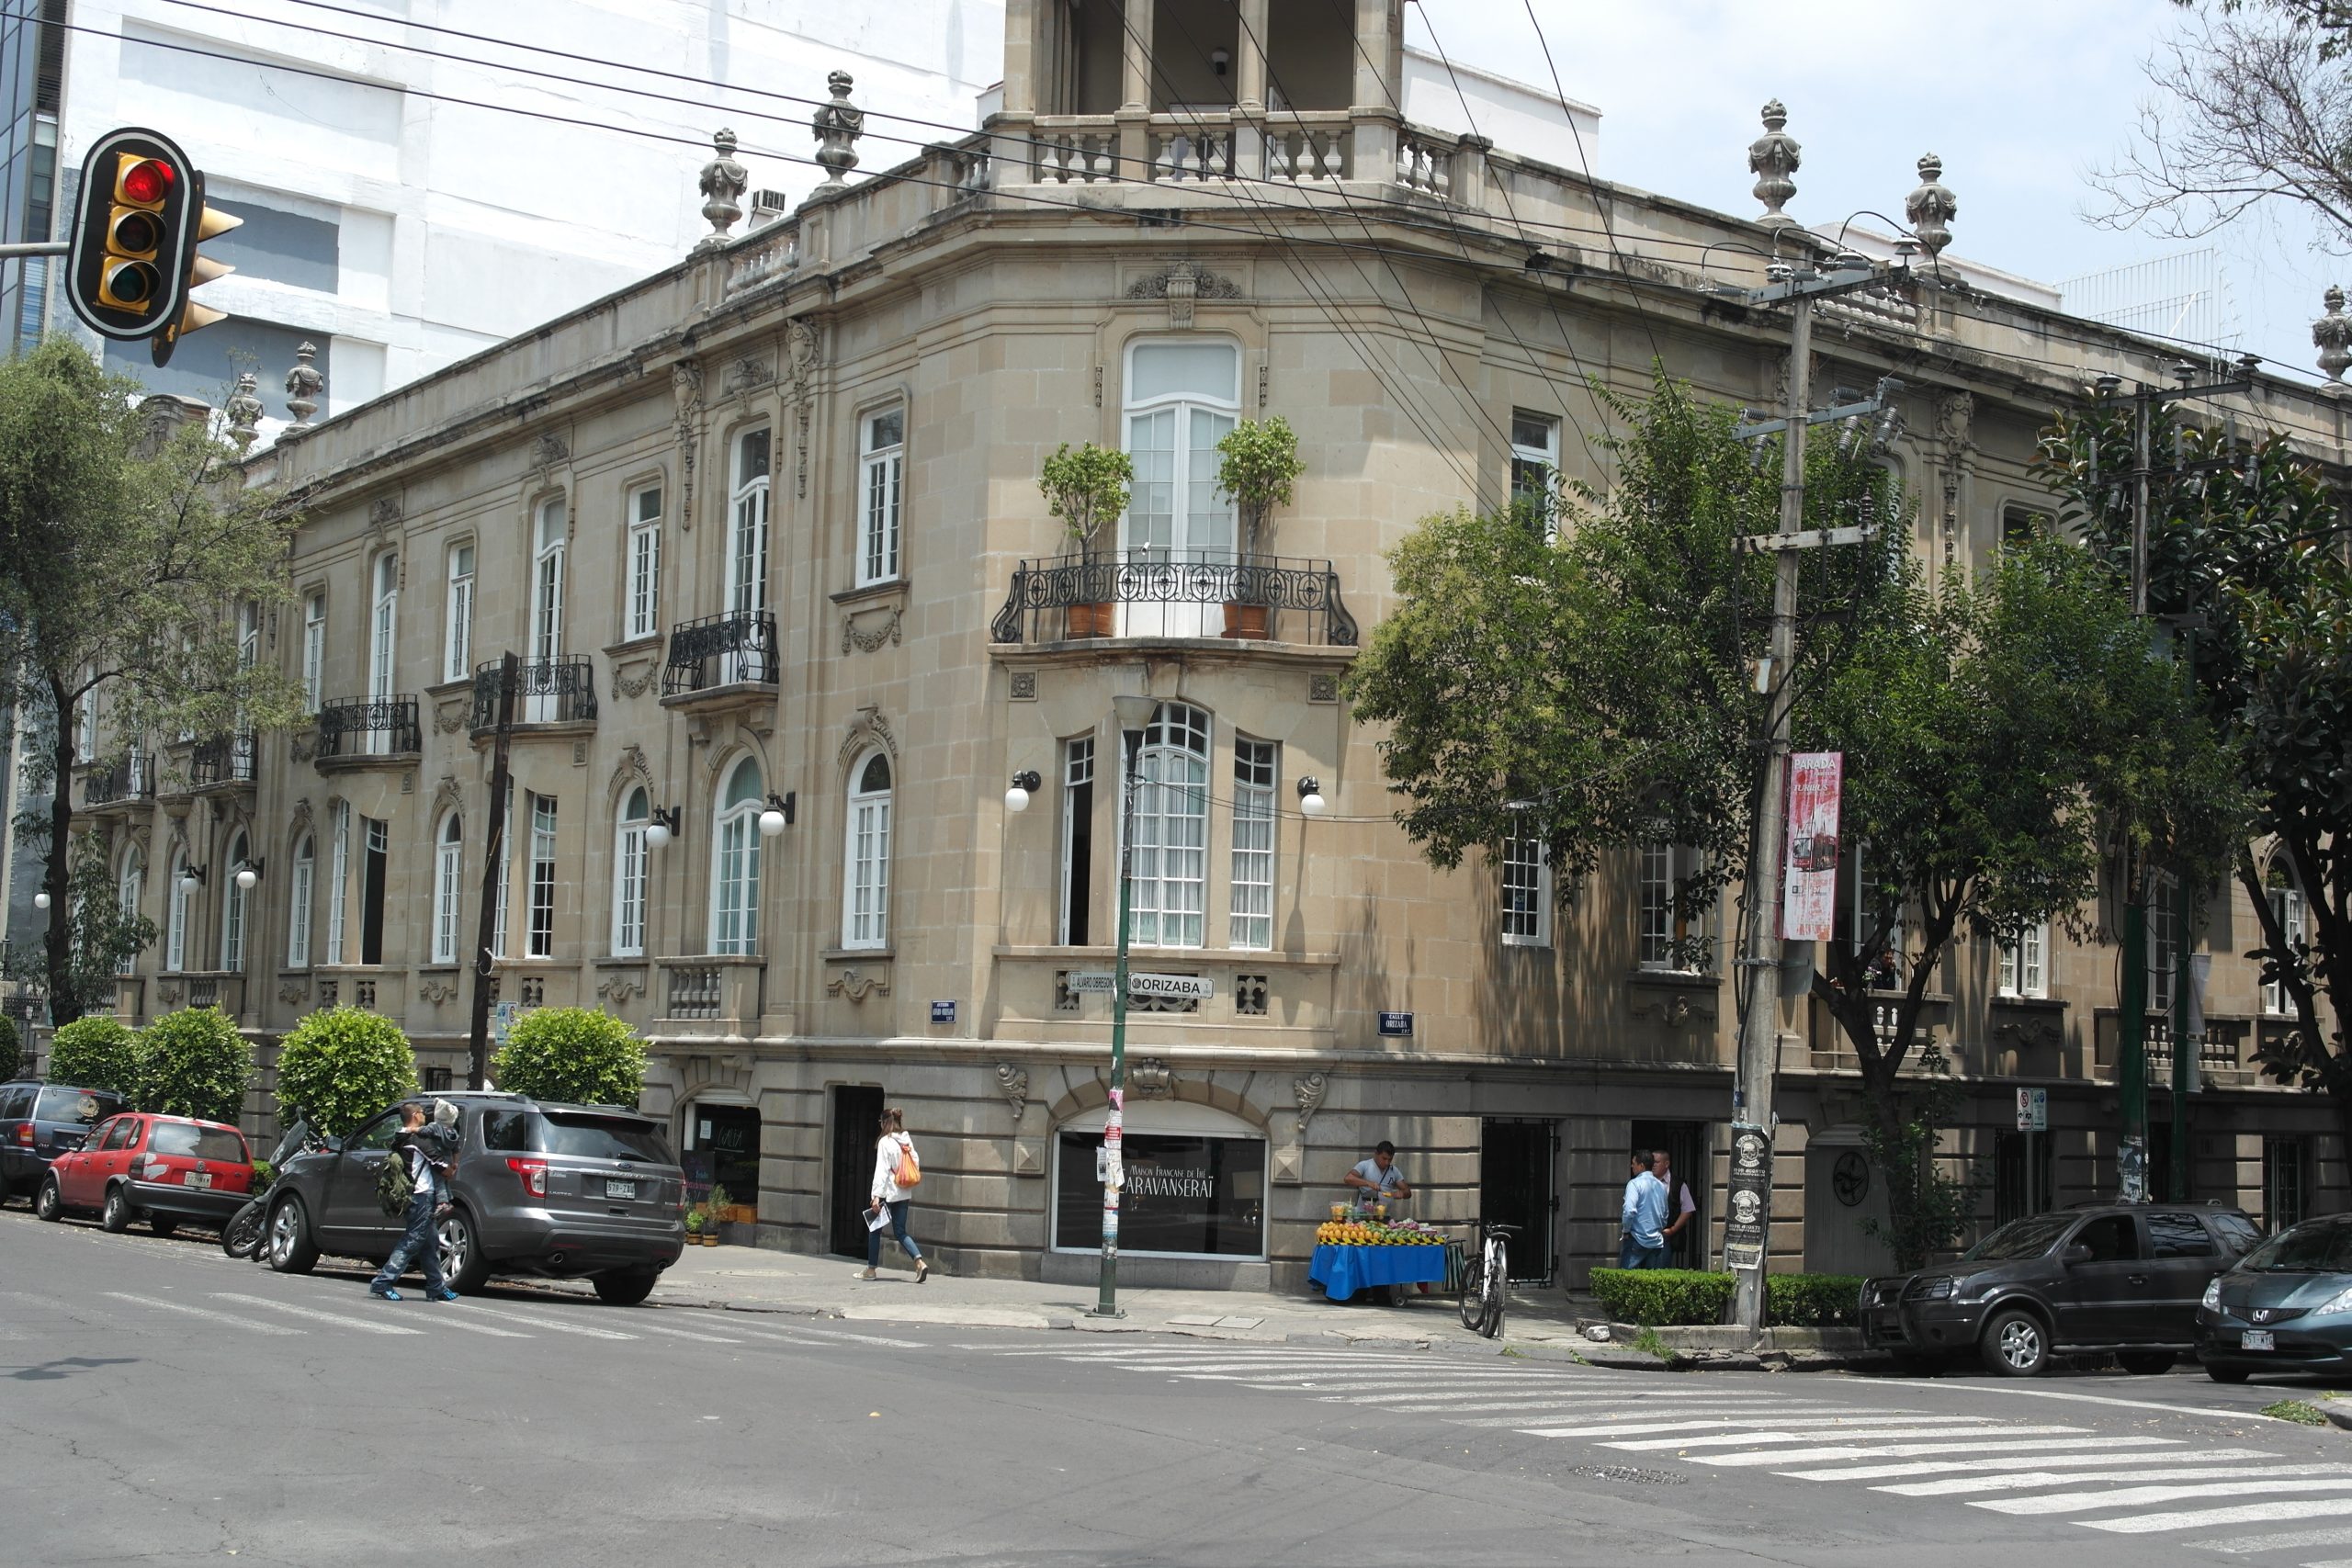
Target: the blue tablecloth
(1344, 1270)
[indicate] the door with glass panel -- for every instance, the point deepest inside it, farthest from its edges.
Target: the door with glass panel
(383, 632)
(541, 706)
(1177, 541)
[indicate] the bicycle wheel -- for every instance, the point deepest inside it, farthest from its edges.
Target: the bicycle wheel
(1473, 1290)
(1497, 1270)
(242, 1235)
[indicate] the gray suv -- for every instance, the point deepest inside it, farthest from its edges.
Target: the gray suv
(566, 1191)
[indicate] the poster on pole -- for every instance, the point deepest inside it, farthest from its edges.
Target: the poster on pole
(1809, 872)
(1747, 1223)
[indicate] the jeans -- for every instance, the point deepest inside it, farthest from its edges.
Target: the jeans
(898, 1229)
(420, 1243)
(1631, 1254)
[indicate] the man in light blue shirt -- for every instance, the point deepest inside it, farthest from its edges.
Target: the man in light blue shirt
(1643, 1218)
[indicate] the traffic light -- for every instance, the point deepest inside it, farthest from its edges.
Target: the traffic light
(140, 220)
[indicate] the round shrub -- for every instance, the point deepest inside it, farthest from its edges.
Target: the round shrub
(95, 1050)
(12, 1053)
(194, 1063)
(341, 1066)
(572, 1054)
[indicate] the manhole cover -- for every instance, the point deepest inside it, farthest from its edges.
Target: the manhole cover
(1630, 1475)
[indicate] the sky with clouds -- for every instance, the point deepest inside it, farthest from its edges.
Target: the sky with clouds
(2020, 98)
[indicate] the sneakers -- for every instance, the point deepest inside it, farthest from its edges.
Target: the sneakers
(444, 1295)
(864, 1274)
(922, 1270)
(383, 1293)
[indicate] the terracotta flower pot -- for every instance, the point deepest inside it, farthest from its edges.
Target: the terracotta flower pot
(1246, 621)
(1091, 620)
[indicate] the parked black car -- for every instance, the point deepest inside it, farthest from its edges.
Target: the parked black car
(2104, 1277)
(2286, 1307)
(40, 1121)
(568, 1192)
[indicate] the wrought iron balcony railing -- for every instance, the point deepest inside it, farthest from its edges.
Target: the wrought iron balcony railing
(223, 759)
(1157, 593)
(368, 726)
(547, 691)
(132, 778)
(720, 650)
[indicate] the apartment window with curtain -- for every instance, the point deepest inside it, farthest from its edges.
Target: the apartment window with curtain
(735, 862)
(131, 892)
(1674, 938)
(176, 909)
(2025, 963)
(1249, 921)
(232, 908)
(1169, 884)
(457, 635)
(85, 727)
(629, 873)
(338, 878)
(865, 881)
(747, 529)
(542, 927)
(881, 465)
(2164, 939)
(1182, 397)
(1078, 842)
(297, 903)
(1535, 465)
(2287, 907)
(644, 547)
(1526, 892)
(449, 872)
(314, 649)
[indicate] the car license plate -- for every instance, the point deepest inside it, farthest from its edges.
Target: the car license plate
(629, 1189)
(199, 1179)
(2256, 1339)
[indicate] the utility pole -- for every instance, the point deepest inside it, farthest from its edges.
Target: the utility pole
(492, 885)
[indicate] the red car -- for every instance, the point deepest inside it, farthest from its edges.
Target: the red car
(165, 1168)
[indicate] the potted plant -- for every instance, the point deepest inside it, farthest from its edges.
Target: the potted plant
(1258, 465)
(1086, 488)
(696, 1217)
(721, 1204)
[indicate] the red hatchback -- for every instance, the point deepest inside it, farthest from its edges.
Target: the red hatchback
(165, 1168)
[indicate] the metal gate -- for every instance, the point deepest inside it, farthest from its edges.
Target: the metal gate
(1515, 1188)
(858, 1117)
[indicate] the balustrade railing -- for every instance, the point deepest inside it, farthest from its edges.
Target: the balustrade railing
(547, 691)
(132, 778)
(1424, 166)
(1268, 597)
(223, 759)
(720, 650)
(1192, 153)
(368, 726)
(1300, 149)
(693, 990)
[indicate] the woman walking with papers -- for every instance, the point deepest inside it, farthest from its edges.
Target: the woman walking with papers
(896, 1171)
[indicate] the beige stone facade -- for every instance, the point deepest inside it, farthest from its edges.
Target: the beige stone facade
(984, 304)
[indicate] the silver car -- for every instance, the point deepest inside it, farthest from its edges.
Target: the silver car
(563, 1191)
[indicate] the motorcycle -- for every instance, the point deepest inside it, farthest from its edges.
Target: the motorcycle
(242, 1237)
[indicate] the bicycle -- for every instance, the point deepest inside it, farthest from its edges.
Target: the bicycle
(1486, 1275)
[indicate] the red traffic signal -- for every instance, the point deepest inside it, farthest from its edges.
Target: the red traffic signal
(140, 219)
(147, 182)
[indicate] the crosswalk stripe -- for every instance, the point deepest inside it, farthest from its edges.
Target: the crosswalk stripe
(2025, 1480)
(1337, 1379)
(1912, 1450)
(557, 1324)
(2134, 1497)
(2284, 1540)
(2033, 1462)
(230, 1318)
(1582, 1401)
(679, 1333)
(1960, 1427)
(340, 1320)
(463, 1319)
(1781, 1424)
(777, 1335)
(2246, 1514)
(881, 1339)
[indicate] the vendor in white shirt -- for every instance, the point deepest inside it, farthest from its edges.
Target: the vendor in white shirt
(1378, 1180)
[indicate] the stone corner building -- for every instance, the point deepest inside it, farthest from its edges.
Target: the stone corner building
(764, 530)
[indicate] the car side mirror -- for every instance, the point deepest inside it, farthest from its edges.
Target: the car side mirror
(2074, 1255)
(331, 1145)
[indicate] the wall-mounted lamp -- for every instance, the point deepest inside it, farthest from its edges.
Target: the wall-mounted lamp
(191, 878)
(779, 815)
(2108, 385)
(1220, 60)
(1017, 797)
(1310, 797)
(663, 829)
(1134, 712)
(40, 900)
(248, 875)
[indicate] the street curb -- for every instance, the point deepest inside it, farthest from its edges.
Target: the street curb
(2339, 1419)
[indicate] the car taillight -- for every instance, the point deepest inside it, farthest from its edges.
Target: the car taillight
(533, 1173)
(23, 1134)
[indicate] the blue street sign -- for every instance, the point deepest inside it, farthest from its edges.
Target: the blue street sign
(943, 1012)
(1395, 1023)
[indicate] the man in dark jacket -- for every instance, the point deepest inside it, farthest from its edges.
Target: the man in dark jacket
(425, 1152)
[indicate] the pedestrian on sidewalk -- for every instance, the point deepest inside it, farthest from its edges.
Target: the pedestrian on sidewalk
(1679, 1203)
(1643, 1217)
(423, 1152)
(896, 1170)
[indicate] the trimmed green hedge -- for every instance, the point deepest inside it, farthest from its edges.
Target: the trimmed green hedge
(12, 1056)
(95, 1050)
(195, 1062)
(572, 1054)
(1659, 1298)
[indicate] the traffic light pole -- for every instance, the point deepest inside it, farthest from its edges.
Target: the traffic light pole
(36, 248)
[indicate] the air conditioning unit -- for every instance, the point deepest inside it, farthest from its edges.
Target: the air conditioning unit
(767, 205)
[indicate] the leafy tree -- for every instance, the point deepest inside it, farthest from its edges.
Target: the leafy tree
(1086, 487)
(12, 1054)
(101, 936)
(128, 546)
(95, 1050)
(195, 1062)
(341, 1066)
(574, 1055)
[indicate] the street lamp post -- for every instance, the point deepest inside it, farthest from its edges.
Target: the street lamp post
(1133, 714)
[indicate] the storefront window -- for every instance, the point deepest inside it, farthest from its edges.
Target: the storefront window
(722, 1147)
(1200, 1195)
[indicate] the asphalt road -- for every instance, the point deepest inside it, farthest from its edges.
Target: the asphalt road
(167, 1404)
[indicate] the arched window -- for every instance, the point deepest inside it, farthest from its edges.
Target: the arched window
(449, 868)
(2288, 906)
(129, 892)
(865, 861)
(177, 910)
(628, 875)
(735, 862)
(383, 644)
(747, 533)
(553, 533)
(232, 908)
(1168, 890)
(298, 902)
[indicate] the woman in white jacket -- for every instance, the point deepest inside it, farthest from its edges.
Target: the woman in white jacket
(892, 1148)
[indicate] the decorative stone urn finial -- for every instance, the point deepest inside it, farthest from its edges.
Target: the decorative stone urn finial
(244, 410)
(1772, 158)
(838, 125)
(2333, 335)
(723, 182)
(1931, 207)
(303, 386)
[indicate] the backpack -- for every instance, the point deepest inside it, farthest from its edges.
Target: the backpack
(394, 1186)
(909, 1171)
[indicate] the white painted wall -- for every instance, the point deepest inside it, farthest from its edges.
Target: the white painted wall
(1516, 116)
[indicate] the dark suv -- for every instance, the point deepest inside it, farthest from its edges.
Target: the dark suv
(2107, 1277)
(562, 1191)
(40, 1121)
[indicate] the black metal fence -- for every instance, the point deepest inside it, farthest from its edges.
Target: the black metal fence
(223, 759)
(547, 691)
(720, 650)
(368, 726)
(132, 778)
(1259, 597)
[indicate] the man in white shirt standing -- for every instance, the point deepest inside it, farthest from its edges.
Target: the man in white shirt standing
(420, 1240)
(1378, 1180)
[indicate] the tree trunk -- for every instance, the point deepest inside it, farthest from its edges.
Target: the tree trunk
(64, 1005)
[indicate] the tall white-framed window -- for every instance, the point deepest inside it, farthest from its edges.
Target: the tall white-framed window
(865, 860)
(1250, 919)
(747, 528)
(298, 902)
(177, 907)
(882, 451)
(85, 727)
(448, 871)
(2287, 906)
(1526, 873)
(383, 646)
(338, 878)
(1182, 399)
(629, 873)
(552, 537)
(1168, 881)
(130, 892)
(314, 649)
(1535, 466)
(644, 545)
(542, 927)
(506, 883)
(2164, 939)
(457, 635)
(735, 862)
(248, 634)
(232, 908)
(1075, 923)
(2025, 963)
(1672, 938)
